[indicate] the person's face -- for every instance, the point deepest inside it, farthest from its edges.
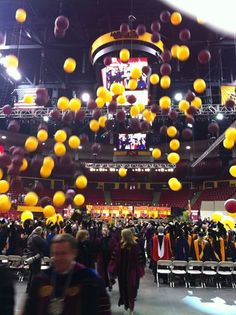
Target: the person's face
(62, 255)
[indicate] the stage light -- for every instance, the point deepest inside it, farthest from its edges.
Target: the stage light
(45, 118)
(150, 149)
(13, 73)
(190, 125)
(80, 147)
(43, 143)
(3, 137)
(85, 97)
(178, 97)
(188, 147)
(114, 149)
(219, 116)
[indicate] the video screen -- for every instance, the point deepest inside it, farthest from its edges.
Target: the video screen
(135, 141)
(120, 72)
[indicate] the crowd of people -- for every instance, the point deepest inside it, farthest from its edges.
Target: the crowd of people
(89, 256)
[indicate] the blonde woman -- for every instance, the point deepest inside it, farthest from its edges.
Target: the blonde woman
(127, 263)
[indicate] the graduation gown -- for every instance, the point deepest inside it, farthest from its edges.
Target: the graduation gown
(161, 248)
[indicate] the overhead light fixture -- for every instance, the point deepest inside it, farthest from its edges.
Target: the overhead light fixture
(178, 97)
(3, 137)
(190, 125)
(150, 149)
(219, 116)
(13, 73)
(43, 143)
(80, 147)
(85, 97)
(46, 118)
(114, 149)
(188, 147)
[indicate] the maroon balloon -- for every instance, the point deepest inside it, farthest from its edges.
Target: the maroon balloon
(173, 115)
(156, 26)
(18, 151)
(166, 55)
(163, 130)
(70, 192)
(5, 159)
(189, 119)
(204, 56)
(62, 22)
(16, 184)
(146, 70)
(144, 126)
(165, 111)
(68, 117)
(84, 139)
(131, 98)
(109, 124)
(107, 61)
(96, 148)
(156, 37)
(13, 126)
(187, 133)
(13, 170)
(134, 124)
(213, 128)
(7, 109)
(229, 104)
(91, 105)
(192, 110)
(37, 161)
(190, 96)
(121, 115)
(124, 28)
(38, 188)
(80, 115)
(55, 114)
(59, 33)
(184, 35)
(17, 160)
(165, 69)
(230, 205)
(42, 100)
(141, 29)
(112, 107)
(43, 126)
(154, 109)
(44, 201)
(165, 16)
(97, 114)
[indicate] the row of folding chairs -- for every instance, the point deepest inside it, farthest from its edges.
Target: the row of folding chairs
(206, 273)
(19, 267)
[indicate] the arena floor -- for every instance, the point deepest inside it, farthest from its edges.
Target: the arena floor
(168, 301)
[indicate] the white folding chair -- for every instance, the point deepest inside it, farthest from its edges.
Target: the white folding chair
(210, 271)
(225, 270)
(194, 270)
(179, 268)
(164, 268)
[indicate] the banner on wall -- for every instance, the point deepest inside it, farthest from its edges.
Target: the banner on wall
(228, 92)
(29, 208)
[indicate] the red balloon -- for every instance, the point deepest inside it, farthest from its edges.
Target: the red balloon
(145, 70)
(165, 69)
(62, 23)
(165, 16)
(141, 29)
(144, 126)
(229, 103)
(131, 98)
(55, 114)
(230, 205)
(154, 109)
(134, 124)
(38, 188)
(184, 35)
(166, 55)
(190, 96)
(68, 117)
(7, 109)
(156, 37)
(91, 105)
(112, 107)
(17, 160)
(107, 61)
(204, 56)
(187, 133)
(97, 114)
(121, 115)
(173, 115)
(190, 120)
(192, 110)
(165, 111)
(213, 128)
(5, 160)
(43, 202)
(156, 27)
(80, 115)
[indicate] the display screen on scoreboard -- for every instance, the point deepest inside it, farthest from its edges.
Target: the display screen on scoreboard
(132, 141)
(120, 72)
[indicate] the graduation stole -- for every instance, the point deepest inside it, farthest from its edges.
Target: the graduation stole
(222, 248)
(199, 256)
(215, 253)
(189, 241)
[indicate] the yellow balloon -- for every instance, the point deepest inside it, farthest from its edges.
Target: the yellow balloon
(74, 142)
(75, 104)
(134, 111)
(183, 106)
(156, 153)
(116, 88)
(48, 162)
(228, 144)
(108, 98)
(24, 165)
(122, 172)
(232, 170)
(148, 115)
(63, 103)
(49, 211)
(154, 78)
(199, 85)
(171, 131)
(197, 102)
(26, 215)
(4, 186)
(69, 65)
(232, 215)
(59, 199)
(100, 102)
(102, 92)
(21, 15)
(59, 149)
(165, 102)
(136, 73)
(59, 218)
(31, 199)
(176, 18)
(45, 172)
(81, 182)
(173, 158)
(141, 107)
(52, 220)
(42, 135)
(11, 61)
(174, 184)
(124, 55)
(230, 134)
(94, 125)
(5, 203)
(1, 173)
(165, 82)
(121, 99)
(102, 121)
(174, 144)
(79, 200)
(31, 144)
(216, 216)
(60, 136)
(28, 99)
(228, 223)
(183, 53)
(174, 50)
(132, 85)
